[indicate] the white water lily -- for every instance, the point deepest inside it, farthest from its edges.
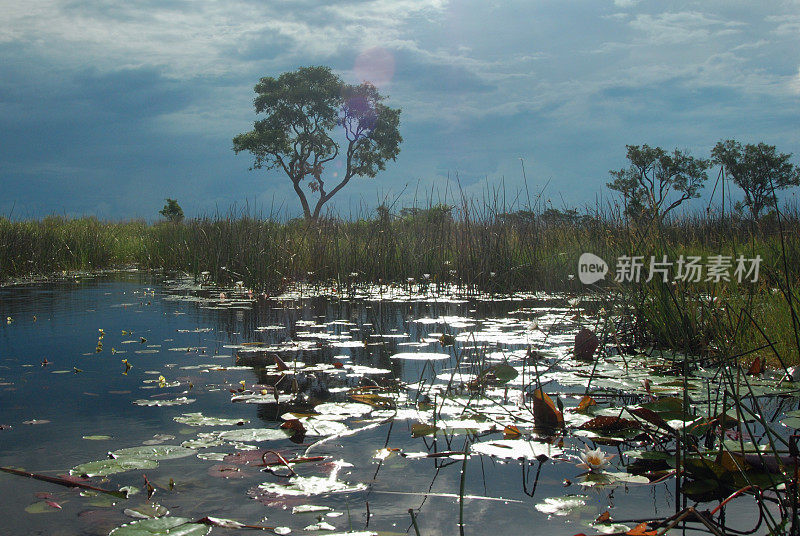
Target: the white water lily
(594, 460)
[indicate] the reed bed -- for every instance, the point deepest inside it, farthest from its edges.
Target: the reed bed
(476, 246)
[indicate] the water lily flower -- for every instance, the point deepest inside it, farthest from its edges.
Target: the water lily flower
(594, 460)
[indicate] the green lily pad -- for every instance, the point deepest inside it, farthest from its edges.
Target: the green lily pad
(180, 401)
(103, 501)
(146, 511)
(112, 466)
(791, 422)
(310, 485)
(172, 526)
(563, 506)
(198, 419)
(703, 490)
(503, 372)
(154, 452)
(609, 478)
(649, 455)
(254, 434)
(41, 507)
(613, 528)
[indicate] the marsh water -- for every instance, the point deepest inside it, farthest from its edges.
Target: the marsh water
(95, 364)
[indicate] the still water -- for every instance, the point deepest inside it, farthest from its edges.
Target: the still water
(101, 363)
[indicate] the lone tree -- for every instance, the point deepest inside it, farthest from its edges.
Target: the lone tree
(172, 211)
(650, 184)
(308, 113)
(758, 170)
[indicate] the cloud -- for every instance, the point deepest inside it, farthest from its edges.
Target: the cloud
(683, 27)
(133, 101)
(187, 39)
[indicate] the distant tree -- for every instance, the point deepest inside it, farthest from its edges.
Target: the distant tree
(650, 184)
(434, 215)
(172, 211)
(306, 111)
(758, 170)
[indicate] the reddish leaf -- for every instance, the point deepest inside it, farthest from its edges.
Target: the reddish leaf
(280, 363)
(605, 517)
(586, 342)
(295, 425)
(652, 417)
(641, 530)
(607, 423)
(545, 413)
(757, 367)
(227, 471)
(585, 402)
(246, 457)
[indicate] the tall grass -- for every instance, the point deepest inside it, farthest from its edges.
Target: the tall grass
(476, 245)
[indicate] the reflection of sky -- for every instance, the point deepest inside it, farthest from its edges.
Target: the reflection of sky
(97, 401)
(109, 108)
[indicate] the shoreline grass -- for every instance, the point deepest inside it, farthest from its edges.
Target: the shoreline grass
(475, 246)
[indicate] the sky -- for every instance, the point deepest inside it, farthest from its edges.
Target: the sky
(107, 108)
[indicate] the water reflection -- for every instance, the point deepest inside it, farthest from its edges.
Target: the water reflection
(195, 339)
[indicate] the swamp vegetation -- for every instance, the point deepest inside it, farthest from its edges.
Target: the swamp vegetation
(435, 371)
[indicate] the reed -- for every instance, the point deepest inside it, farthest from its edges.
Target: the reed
(476, 245)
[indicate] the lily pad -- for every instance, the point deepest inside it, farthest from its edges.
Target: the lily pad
(516, 449)
(172, 526)
(154, 452)
(420, 356)
(198, 419)
(254, 434)
(42, 507)
(348, 409)
(609, 478)
(112, 466)
(310, 485)
(180, 401)
(146, 511)
(562, 506)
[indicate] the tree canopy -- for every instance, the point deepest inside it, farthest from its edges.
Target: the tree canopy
(759, 170)
(657, 181)
(172, 211)
(311, 118)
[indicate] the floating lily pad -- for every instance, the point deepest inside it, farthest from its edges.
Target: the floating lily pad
(309, 508)
(198, 419)
(180, 401)
(42, 507)
(254, 434)
(146, 511)
(154, 452)
(611, 528)
(562, 506)
(321, 427)
(420, 356)
(310, 485)
(112, 466)
(516, 449)
(203, 441)
(609, 478)
(172, 526)
(792, 422)
(348, 409)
